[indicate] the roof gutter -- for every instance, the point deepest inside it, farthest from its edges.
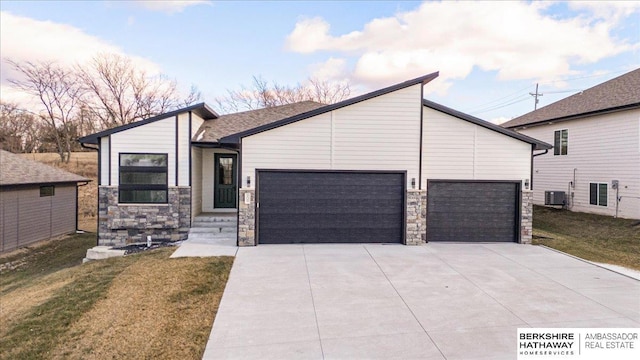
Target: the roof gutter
(542, 153)
(84, 145)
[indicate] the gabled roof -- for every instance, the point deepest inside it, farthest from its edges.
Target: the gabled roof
(235, 138)
(225, 125)
(203, 110)
(539, 145)
(16, 170)
(616, 94)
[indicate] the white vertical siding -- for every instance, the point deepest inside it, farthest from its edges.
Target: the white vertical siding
(196, 185)
(104, 160)
(382, 133)
(207, 180)
(155, 137)
(500, 157)
(305, 144)
(183, 149)
(457, 149)
(196, 122)
(600, 149)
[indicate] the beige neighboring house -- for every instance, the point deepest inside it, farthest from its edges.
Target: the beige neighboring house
(596, 155)
(37, 201)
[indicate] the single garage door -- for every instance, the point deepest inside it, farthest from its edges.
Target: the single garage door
(472, 211)
(330, 207)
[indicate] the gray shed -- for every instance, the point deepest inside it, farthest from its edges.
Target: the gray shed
(37, 201)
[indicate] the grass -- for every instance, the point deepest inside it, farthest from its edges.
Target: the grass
(139, 306)
(593, 237)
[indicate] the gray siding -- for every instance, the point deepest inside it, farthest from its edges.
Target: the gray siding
(9, 206)
(27, 218)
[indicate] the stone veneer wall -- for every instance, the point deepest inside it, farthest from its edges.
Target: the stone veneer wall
(526, 220)
(121, 224)
(247, 218)
(416, 217)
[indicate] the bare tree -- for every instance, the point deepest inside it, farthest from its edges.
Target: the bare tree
(19, 129)
(59, 92)
(119, 93)
(261, 94)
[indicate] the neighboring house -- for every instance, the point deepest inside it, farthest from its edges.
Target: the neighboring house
(37, 201)
(384, 167)
(596, 155)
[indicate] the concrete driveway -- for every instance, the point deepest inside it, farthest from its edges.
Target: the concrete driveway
(439, 301)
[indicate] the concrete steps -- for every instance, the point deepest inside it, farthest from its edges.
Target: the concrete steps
(214, 229)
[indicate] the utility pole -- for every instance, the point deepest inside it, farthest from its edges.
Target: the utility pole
(535, 95)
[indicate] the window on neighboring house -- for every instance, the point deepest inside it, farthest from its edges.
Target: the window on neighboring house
(47, 190)
(143, 178)
(561, 142)
(598, 194)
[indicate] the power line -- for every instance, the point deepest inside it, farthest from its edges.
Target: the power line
(481, 107)
(498, 99)
(501, 106)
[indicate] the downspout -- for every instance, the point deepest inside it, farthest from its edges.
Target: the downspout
(532, 156)
(97, 197)
(78, 185)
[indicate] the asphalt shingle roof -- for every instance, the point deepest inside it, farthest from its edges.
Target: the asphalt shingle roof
(618, 93)
(215, 129)
(16, 170)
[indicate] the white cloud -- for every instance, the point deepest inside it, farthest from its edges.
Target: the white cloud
(332, 69)
(517, 40)
(26, 39)
(170, 6)
(499, 120)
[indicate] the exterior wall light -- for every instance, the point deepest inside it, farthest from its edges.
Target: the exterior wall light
(248, 180)
(526, 184)
(413, 183)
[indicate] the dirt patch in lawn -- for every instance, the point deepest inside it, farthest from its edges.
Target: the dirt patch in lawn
(593, 237)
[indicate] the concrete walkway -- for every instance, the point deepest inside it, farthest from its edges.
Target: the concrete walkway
(439, 301)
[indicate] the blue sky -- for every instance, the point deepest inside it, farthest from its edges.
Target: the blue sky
(490, 55)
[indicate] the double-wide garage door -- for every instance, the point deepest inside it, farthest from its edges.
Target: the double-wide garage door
(472, 211)
(330, 207)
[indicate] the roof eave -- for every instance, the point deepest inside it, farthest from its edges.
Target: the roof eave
(539, 145)
(235, 138)
(577, 116)
(47, 182)
(201, 109)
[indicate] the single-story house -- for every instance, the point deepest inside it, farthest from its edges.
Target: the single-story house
(387, 167)
(37, 201)
(595, 165)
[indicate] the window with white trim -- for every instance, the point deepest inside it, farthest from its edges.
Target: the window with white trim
(143, 178)
(561, 142)
(598, 194)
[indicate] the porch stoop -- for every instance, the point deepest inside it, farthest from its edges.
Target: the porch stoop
(214, 229)
(211, 234)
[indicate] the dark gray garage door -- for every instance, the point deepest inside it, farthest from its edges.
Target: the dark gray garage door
(330, 207)
(472, 211)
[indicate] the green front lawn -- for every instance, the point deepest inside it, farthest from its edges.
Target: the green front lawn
(142, 306)
(592, 237)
